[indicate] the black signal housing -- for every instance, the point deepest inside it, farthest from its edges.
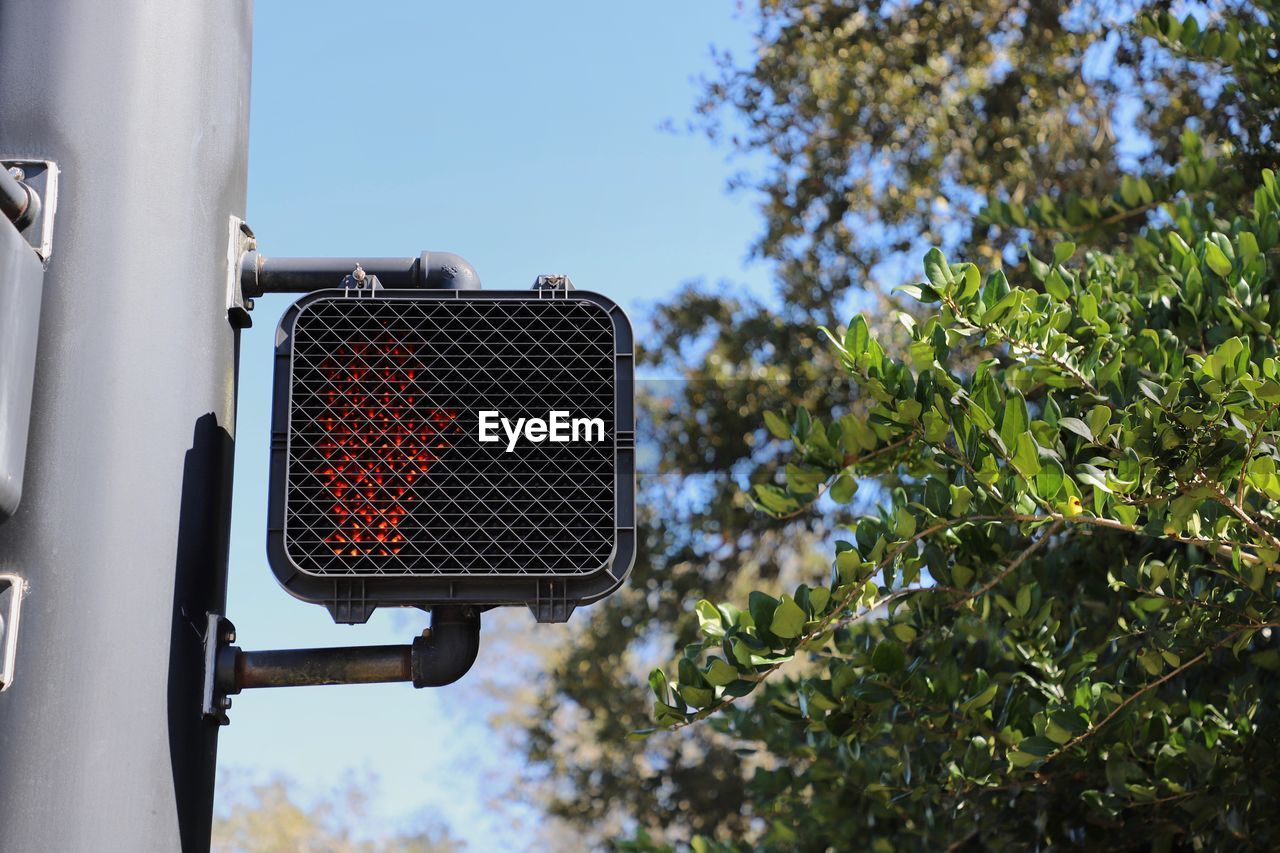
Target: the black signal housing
(386, 489)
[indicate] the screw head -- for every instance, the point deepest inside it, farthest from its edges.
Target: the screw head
(17, 174)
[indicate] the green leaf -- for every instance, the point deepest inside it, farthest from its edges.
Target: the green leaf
(1023, 759)
(938, 272)
(1129, 191)
(961, 498)
(1151, 390)
(1026, 457)
(981, 700)
(1062, 252)
(761, 606)
(843, 489)
(904, 632)
(1152, 663)
(921, 353)
(697, 697)
(801, 426)
(972, 281)
(804, 479)
(1077, 426)
(1002, 307)
(904, 523)
(1023, 600)
(1216, 259)
(936, 427)
(658, 683)
(871, 693)
(1099, 417)
(819, 597)
(1056, 286)
(1039, 268)
(709, 620)
(1049, 479)
(773, 499)
(720, 672)
(788, 619)
(1015, 421)
(777, 425)
(858, 337)
(1037, 746)
(856, 434)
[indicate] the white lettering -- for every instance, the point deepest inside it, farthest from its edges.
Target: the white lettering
(557, 427)
(536, 430)
(512, 434)
(488, 425)
(587, 424)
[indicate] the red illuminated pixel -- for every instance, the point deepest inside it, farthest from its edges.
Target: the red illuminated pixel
(378, 440)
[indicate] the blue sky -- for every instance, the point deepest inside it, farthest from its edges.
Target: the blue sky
(525, 137)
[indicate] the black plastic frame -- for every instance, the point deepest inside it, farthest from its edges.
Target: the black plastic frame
(551, 597)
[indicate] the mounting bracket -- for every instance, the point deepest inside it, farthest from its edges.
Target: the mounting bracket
(40, 178)
(441, 655)
(240, 244)
(12, 589)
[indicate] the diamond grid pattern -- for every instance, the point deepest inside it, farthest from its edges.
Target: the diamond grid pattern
(386, 474)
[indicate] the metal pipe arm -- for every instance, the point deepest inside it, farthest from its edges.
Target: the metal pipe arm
(442, 655)
(18, 202)
(303, 667)
(260, 274)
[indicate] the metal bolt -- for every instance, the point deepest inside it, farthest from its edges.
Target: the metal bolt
(229, 637)
(224, 703)
(359, 276)
(17, 174)
(248, 305)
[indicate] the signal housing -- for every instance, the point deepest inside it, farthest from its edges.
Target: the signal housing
(381, 491)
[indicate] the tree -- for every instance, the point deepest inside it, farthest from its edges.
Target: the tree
(265, 817)
(961, 108)
(1059, 619)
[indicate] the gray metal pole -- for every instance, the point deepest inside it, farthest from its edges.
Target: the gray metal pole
(123, 527)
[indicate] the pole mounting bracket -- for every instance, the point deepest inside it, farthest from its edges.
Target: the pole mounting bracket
(12, 589)
(240, 244)
(441, 655)
(38, 179)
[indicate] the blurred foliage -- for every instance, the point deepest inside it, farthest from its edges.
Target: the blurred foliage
(266, 817)
(870, 131)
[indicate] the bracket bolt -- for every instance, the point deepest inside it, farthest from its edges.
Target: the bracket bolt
(17, 174)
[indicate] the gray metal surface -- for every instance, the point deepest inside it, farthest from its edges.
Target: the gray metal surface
(21, 284)
(122, 531)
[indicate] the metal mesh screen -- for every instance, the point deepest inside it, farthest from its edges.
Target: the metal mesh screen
(386, 472)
